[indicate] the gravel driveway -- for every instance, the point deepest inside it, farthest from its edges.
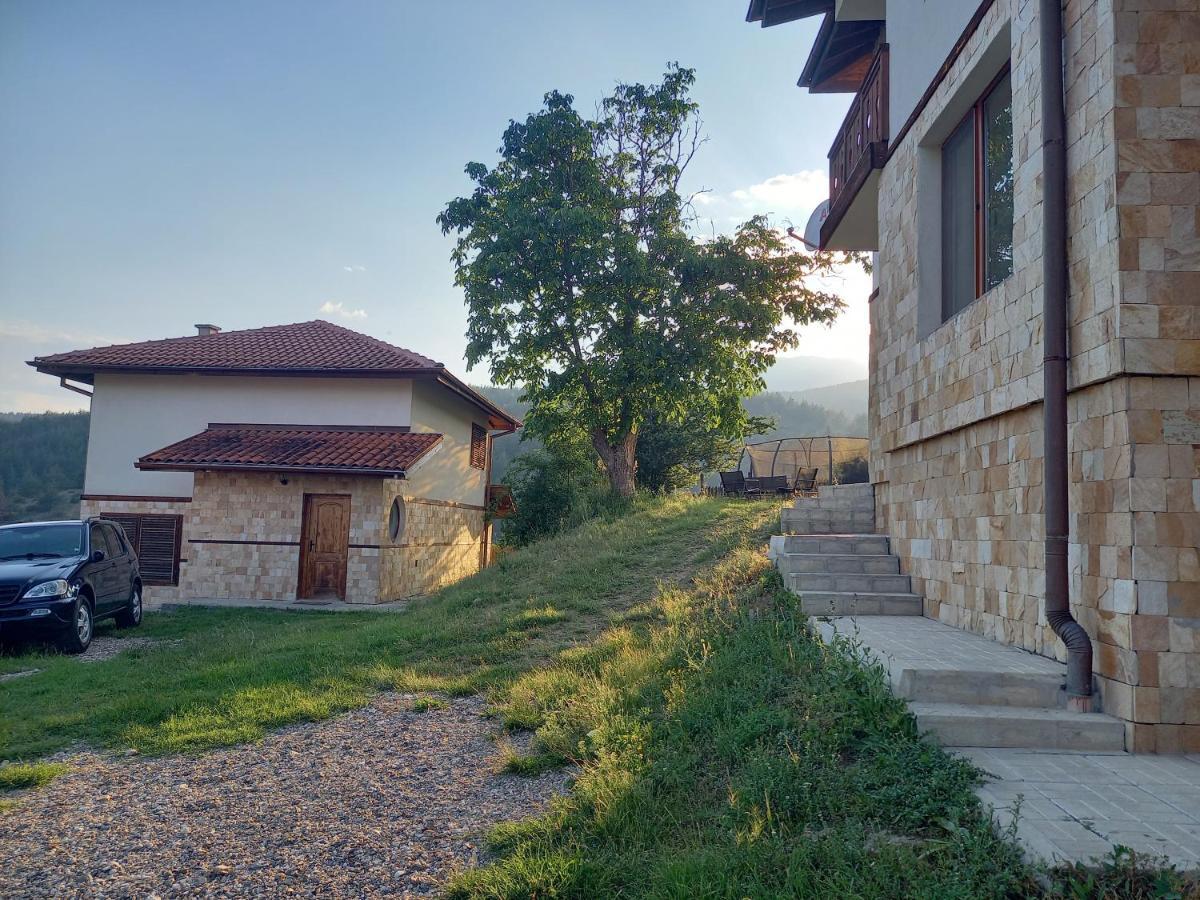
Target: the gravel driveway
(382, 801)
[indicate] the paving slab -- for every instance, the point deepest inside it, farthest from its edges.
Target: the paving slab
(1074, 807)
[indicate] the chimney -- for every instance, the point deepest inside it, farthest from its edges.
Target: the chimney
(205, 330)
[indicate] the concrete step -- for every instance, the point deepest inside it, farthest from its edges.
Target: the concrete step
(796, 521)
(842, 582)
(814, 504)
(861, 544)
(831, 603)
(975, 725)
(852, 563)
(981, 688)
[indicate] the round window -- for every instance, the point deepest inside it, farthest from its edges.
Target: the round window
(396, 520)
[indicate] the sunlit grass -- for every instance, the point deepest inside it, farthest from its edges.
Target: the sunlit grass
(219, 676)
(725, 752)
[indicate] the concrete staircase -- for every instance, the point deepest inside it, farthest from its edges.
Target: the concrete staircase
(829, 556)
(969, 691)
(966, 690)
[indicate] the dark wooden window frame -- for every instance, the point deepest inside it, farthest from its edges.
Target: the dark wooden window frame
(133, 525)
(479, 438)
(976, 115)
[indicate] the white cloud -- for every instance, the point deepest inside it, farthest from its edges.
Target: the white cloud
(339, 309)
(787, 198)
(354, 268)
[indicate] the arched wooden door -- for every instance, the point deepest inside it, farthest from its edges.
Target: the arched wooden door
(324, 546)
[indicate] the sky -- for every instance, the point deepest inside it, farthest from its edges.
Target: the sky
(253, 163)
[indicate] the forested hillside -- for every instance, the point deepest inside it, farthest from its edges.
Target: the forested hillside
(41, 465)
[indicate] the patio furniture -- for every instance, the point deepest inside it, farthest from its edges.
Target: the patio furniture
(733, 483)
(806, 480)
(736, 484)
(774, 484)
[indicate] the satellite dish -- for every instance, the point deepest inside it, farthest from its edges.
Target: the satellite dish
(812, 231)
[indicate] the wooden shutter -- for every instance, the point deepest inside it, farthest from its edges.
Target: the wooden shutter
(478, 447)
(156, 540)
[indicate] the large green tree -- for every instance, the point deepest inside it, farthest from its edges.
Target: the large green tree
(585, 283)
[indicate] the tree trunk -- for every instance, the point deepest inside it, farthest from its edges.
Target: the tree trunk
(620, 461)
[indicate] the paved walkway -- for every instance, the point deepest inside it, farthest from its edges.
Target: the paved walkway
(1075, 806)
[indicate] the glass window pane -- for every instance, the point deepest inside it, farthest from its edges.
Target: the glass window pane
(958, 218)
(998, 184)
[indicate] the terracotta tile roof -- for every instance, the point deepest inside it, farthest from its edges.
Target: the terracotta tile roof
(296, 448)
(315, 346)
(305, 348)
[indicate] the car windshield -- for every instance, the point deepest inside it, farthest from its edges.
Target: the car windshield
(41, 541)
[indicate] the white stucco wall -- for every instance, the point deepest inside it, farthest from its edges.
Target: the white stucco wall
(920, 35)
(133, 415)
(447, 474)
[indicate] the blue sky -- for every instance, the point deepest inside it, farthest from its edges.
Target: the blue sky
(251, 163)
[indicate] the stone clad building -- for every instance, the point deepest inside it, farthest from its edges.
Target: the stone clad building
(938, 170)
(291, 462)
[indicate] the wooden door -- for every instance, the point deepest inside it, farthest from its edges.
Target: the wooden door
(324, 546)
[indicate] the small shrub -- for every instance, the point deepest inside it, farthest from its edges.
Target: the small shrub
(555, 491)
(15, 776)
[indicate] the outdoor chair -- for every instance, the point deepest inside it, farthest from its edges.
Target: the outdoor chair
(733, 483)
(806, 480)
(774, 484)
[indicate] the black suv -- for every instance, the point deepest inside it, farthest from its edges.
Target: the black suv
(57, 578)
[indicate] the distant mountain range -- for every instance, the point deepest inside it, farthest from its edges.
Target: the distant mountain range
(803, 373)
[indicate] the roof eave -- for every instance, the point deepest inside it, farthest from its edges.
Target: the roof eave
(87, 373)
(269, 467)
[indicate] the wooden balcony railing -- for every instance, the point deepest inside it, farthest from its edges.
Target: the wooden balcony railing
(861, 143)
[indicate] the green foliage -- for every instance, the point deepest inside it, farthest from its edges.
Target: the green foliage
(794, 418)
(726, 752)
(41, 465)
(1123, 875)
(15, 776)
(226, 676)
(852, 471)
(673, 456)
(584, 285)
(555, 489)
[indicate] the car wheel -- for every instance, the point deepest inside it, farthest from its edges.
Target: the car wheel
(77, 636)
(131, 615)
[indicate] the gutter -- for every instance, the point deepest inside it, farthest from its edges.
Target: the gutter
(1056, 470)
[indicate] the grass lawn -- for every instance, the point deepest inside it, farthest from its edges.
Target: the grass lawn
(226, 676)
(726, 752)
(723, 751)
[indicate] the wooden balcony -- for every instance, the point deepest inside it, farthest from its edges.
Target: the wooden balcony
(857, 155)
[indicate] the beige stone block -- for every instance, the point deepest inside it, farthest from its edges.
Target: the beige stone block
(1148, 494)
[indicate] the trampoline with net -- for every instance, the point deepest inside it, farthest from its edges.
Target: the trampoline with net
(788, 456)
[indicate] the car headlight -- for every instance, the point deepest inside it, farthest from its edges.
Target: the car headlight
(57, 588)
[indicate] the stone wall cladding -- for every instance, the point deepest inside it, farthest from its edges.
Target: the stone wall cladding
(441, 543)
(956, 416)
(1158, 184)
(156, 592)
(987, 360)
(255, 524)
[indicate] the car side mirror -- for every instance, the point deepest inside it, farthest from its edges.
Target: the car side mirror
(97, 556)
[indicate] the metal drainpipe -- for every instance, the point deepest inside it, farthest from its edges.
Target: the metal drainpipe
(1056, 472)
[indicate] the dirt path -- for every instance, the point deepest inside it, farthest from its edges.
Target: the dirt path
(382, 801)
